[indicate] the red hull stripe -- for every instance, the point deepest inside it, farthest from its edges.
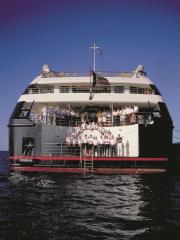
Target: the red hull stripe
(77, 158)
(96, 170)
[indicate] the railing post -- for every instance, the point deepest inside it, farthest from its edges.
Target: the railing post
(61, 149)
(80, 155)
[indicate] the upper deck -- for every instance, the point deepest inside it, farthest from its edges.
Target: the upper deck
(124, 87)
(54, 78)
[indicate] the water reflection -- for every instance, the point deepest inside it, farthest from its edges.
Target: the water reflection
(80, 206)
(56, 206)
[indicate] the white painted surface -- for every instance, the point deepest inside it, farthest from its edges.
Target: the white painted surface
(86, 79)
(130, 138)
(129, 134)
(98, 98)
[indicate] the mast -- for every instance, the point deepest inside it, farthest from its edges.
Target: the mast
(94, 47)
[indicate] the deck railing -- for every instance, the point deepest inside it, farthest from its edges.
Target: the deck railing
(58, 149)
(86, 89)
(58, 120)
(40, 90)
(53, 74)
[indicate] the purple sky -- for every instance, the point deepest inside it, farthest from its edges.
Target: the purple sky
(34, 32)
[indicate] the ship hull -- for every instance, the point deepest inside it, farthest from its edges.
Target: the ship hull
(50, 153)
(89, 171)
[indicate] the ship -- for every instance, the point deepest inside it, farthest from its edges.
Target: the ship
(90, 122)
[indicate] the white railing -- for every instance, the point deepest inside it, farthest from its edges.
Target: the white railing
(40, 90)
(87, 74)
(58, 149)
(57, 120)
(135, 90)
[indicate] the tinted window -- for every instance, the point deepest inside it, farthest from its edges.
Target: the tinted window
(118, 89)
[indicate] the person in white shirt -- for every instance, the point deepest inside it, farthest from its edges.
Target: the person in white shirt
(93, 125)
(113, 146)
(79, 145)
(104, 118)
(83, 125)
(44, 114)
(74, 142)
(95, 146)
(90, 145)
(79, 141)
(72, 117)
(119, 145)
(122, 116)
(127, 113)
(68, 142)
(106, 146)
(101, 146)
(108, 118)
(114, 117)
(99, 118)
(85, 145)
(136, 109)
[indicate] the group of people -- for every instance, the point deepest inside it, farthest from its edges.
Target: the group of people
(54, 115)
(101, 144)
(125, 115)
(58, 116)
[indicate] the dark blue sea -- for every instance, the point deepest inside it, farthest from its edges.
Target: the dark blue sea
(104, 207)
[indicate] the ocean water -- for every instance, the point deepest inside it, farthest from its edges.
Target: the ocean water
(104, 207)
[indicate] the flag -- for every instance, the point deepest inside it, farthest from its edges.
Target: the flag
(97, 79)
(91, 95)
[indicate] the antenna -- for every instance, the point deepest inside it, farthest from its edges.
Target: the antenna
(94, 47)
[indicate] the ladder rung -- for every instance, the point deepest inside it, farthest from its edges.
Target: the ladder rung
(87, 164)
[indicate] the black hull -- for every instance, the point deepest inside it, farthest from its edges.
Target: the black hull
(154, 147)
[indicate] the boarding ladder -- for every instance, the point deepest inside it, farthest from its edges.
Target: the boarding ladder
(88, 164)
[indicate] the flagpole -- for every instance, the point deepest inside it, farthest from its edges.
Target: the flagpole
(94, 47)
(112, 109)
(94, 67)
(90, 92)
(90, 80)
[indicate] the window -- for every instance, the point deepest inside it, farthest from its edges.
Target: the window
(80, 89)
(28, 146)
(46, 89)
(118, 89)
(38, 89)
(86, 89)
(22, 110)
(155, 90)
(102, 89)
(136, 90)
(64, 89)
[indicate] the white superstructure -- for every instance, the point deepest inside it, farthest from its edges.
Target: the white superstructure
(124, 88)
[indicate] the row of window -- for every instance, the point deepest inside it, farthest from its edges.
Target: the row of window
(85, 89)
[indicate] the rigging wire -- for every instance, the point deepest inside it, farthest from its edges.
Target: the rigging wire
(176, 137)
(176, 130)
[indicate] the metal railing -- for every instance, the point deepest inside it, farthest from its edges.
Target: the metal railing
(85, 73)
(57, 120)
(135, 90)
(59, 149)
(40, 90)
(100, 150)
